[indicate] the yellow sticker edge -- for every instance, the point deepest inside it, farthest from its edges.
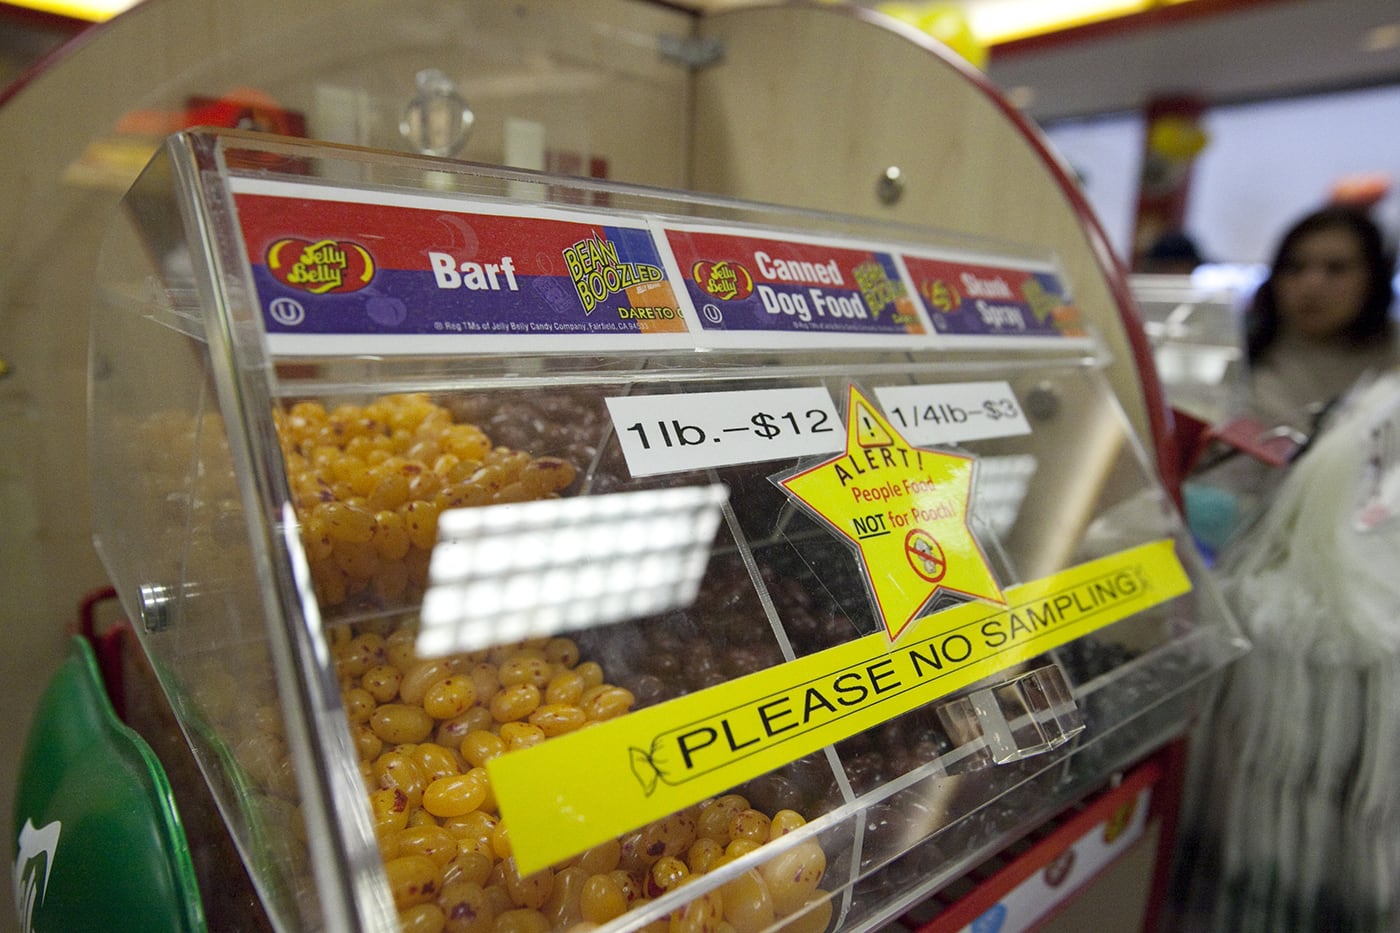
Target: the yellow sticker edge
(900, 518)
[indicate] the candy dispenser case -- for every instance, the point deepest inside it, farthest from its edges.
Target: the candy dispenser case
(446, 504)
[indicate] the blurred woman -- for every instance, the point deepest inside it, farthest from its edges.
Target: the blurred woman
(1322, 317)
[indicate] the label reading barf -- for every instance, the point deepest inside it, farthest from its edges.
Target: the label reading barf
(343, 276)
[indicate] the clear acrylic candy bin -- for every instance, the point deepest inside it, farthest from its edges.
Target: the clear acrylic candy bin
(752, 620)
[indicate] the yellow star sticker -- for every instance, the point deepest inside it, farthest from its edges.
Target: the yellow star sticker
(905, 508)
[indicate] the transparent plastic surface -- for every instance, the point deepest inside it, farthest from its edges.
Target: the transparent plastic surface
(272, 519)
(1027, 715)
(1197, 340)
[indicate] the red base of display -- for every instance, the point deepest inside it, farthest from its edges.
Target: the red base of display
(990, 884)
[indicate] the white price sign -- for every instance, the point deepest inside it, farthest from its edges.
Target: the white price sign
(953, 413)
(676, 433)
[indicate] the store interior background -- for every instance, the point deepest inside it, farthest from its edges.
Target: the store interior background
(1297, 95)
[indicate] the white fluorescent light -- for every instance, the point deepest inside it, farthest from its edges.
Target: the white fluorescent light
(94, 11)
(504, 573)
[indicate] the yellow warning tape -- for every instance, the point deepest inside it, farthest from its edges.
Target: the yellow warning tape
(578, 790)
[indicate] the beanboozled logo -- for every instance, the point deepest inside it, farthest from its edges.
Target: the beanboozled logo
(323, 267)
(33, 865)
(727, 281)
(598, 272)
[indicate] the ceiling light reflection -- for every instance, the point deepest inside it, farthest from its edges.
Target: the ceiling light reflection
(94, 11)
(1383, 38)
(505, 573)
(997, 21)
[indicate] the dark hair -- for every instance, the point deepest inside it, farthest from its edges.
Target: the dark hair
(1262, 319)
(1173, 246)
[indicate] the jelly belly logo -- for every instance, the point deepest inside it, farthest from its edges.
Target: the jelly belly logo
(325, 267)
(941, 295)
(727, 281)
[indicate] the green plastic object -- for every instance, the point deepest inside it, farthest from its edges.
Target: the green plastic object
(98, 843)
